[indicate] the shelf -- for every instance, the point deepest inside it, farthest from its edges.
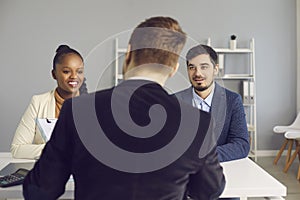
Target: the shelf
(250, 128)
(248, 104)
(252, 154)
(238, 50)
(235, 76)
(122, 50)
(120, 76)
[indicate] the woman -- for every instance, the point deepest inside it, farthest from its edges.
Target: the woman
(68, 71)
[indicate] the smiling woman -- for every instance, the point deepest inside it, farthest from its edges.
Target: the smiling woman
(68, 71)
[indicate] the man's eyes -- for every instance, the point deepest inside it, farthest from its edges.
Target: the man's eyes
(202, 67)
(191, 67)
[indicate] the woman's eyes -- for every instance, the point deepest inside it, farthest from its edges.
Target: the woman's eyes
(66, 71)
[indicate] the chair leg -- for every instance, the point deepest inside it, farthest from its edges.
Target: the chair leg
(298, 176)
(287, 166)
(289, 153)
(280, 151)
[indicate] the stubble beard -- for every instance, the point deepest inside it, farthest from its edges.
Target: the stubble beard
(200, 88)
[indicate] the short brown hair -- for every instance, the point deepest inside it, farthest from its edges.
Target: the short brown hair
(202, 49)
(157, 40)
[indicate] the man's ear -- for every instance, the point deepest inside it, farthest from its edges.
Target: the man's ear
(128, 55)
(216, 69)
(127, 59)
(174, 70)
(53, 74)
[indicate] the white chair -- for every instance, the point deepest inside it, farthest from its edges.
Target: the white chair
(295, 136)
(283, 129)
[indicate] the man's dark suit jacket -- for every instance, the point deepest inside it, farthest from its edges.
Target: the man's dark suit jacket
(230, 127)
(74, 148)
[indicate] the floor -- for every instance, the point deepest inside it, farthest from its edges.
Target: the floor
(288, 179)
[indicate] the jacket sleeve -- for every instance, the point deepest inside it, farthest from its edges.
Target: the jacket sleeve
(237, 145)
(209, 182)
(22, 145)
(51, 172)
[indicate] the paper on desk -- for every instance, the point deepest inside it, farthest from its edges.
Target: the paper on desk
(46, 126)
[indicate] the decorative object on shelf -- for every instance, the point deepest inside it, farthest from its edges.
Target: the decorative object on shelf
(208, 42)
(248, 92)
(232, 42)
(221, 64)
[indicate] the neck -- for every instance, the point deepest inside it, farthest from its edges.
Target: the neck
(66, 95)
(154, 72)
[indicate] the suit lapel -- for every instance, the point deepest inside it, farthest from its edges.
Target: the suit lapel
(187, 96)
(219, 107)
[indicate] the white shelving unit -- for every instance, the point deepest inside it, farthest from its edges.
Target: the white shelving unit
(119, 52)
(247, 78)
(246, 83)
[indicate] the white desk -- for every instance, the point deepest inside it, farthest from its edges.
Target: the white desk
(244, 179)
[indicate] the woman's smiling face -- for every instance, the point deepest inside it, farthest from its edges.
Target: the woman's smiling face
(69, 74)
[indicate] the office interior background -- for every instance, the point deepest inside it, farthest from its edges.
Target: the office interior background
(30, 32)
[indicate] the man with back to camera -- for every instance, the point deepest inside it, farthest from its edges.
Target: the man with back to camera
(225, 106)
(133, 141)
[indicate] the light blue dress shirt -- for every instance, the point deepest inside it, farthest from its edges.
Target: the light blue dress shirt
(203, 104)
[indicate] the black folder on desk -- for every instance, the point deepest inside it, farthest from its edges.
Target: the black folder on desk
(13, 167)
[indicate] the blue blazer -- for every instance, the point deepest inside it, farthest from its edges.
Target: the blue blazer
(230, 123)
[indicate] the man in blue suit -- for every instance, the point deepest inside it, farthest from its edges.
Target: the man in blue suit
(225, 106)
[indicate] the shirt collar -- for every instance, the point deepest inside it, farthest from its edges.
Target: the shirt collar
(141, 78)
(208, 99)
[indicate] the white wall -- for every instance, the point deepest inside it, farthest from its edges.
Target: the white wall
(298, 55)
(30, 31)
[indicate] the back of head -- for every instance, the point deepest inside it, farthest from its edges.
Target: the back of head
(202, 49)
(157, 40)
